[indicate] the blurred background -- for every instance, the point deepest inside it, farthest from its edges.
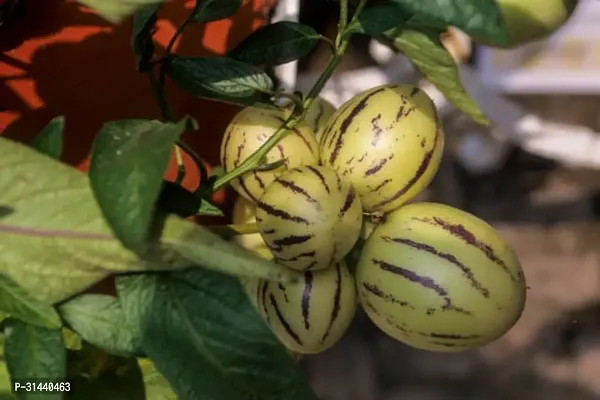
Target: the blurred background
(535, 177)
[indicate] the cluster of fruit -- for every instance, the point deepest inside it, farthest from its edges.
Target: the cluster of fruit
(431, 276)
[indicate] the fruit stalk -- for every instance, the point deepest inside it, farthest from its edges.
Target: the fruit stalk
(255, 159)
(228, 231)
(158, 85)
(163, 104)
(343, 21)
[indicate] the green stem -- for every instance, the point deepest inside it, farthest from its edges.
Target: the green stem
(329, 42)
(359, 8)
(229, 231)
(342, 23)
(253, 162)
(342, 42)
(196, 158)
(297, 100)
(334, 62)
(180, 166)
(163, 104)
(169, 49)
(159, 89)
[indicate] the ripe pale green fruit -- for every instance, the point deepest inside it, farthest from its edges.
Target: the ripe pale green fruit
(251, 286)
(532, 20)
(318, 115)
(244, 212)
(245, 134)
(309, 218)
(440, 279)
(387, 142)
(312, 315)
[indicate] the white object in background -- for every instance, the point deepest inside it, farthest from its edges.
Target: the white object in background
(572, 145)
(287, 10)
(568, 144)
(381, 53)
(479, 152)
(567, 62)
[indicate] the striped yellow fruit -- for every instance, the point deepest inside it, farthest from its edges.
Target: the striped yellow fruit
(388, 142)
(309, 218)
(248, 131)
(440, 279)
(312, 315)
(251, 286)
(318, 115)
(244, 212)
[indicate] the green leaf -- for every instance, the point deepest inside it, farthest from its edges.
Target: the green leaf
(208, 209)
(141, 35)
(207, 249)
(95, 375)
(57, 243)
(156, 385)
(18, 303)
(115, 11)
(222, 75)
(129, 159)
(376, 19)
(214, 10)
(98, 319)
(50, 140)
(277, 43)
(220, 78)
(481, 18)
(5, 383)
(198, 320)
(71, 339)
(34, 353)
(435, 62)
(3, 316)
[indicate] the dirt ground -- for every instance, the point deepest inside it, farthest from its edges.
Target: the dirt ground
(549, 214)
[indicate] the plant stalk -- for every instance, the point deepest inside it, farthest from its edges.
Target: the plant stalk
(163, 104)
(169, 49)
(229, 231)
(159, 89)
(294, 98)
(252, 162)
(342, 42)
(342, 23)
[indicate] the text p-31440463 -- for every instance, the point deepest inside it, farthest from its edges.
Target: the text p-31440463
(41, 386)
